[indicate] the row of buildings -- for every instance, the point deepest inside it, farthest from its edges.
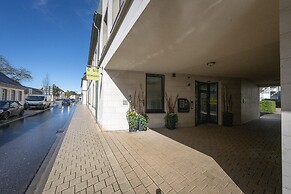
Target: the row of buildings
(214, 54)
(13, 90)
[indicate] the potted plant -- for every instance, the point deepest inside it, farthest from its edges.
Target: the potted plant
(136, 115)
(132, 119)
(171, 117)
(227, 115)
(143, 122)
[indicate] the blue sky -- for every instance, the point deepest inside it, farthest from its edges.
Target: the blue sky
(48, 37)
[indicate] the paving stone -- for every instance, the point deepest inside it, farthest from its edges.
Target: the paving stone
(75, 181)
(86, 177)
(146, 181)
(107, 190)
(81, 186)
(110, 180)
(92, 161)
(93, 181)
(140, 189)
(68, 191)
(165, 187)
(90, 190)
(124, 187)
(62, 187)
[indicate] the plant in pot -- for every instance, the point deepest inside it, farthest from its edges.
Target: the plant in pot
(227, 114)
(142, 116)
(143, 122)
(136, 115)
(171, 117)
(132, 119)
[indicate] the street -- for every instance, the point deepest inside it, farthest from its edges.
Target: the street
(25, 143)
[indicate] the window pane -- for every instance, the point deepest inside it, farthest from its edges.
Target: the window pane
(155, 93)
(12, 94)
(19, 95)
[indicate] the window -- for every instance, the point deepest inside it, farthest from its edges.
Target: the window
(4, 94)
(154, 93)
(14, 105)
(12, 95)
(19, 95)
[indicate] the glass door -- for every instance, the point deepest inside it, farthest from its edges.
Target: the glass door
(206, 102)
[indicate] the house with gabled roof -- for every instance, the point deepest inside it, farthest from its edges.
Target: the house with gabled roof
(11, 89)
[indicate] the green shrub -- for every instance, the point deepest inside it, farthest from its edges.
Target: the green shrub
(143, 119)
(277, 101)
(132, 119)
(268, 106)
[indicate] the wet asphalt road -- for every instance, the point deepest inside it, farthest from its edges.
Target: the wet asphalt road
(24, 145)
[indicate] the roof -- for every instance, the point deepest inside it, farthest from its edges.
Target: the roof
(8, 81)
(34, 90)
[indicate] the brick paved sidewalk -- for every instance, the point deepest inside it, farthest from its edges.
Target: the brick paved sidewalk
(91, 161)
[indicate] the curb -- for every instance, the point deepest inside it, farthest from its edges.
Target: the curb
(29, 115)
(41, 176)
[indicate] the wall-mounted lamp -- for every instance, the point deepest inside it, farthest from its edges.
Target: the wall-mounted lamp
(211, 63)
(189, 84)
(173, 75)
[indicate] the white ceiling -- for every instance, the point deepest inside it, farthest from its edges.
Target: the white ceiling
(181, 36)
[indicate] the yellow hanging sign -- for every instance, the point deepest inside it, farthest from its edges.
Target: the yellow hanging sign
(92, 73)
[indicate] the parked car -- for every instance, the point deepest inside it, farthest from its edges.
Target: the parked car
(66, 102)
(59, 102)
(37, 101)
(10, 108)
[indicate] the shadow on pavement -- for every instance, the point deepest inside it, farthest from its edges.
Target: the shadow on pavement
(250, 154)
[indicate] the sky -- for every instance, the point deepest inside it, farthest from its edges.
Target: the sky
(48, 37)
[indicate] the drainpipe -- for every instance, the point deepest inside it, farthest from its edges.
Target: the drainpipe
(97, 82)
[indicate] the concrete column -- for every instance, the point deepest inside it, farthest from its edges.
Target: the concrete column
(285, 66)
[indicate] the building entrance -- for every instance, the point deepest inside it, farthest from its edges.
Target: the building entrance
(206, 104)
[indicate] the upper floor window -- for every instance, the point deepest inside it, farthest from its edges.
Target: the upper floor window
(155, 85)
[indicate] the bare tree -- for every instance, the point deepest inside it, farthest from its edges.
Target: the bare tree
(46, 84)
(17, 74)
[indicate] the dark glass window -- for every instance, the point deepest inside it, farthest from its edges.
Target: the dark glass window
(19, 95)
(12, 94)
(155, 93)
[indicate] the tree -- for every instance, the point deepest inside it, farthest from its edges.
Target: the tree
(56, 91)
(68, 93)
(17, 74)
(46, 84)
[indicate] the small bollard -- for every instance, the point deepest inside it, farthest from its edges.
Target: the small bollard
(158, 191)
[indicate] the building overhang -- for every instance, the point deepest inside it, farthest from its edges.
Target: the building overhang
(241, 37)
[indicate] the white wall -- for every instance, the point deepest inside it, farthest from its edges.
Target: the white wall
(285, 66)
(249, 101)
(113, 99)
(116, 86)
(84, 91)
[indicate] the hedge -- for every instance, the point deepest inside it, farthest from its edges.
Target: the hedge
(268, 106)
(277, 101)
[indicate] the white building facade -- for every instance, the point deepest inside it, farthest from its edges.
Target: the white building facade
(200, 51)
